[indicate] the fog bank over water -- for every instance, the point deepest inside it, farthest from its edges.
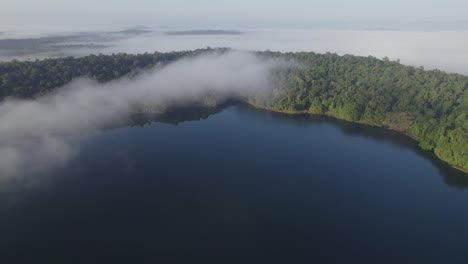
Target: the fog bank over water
(38, 134)
(445, 50)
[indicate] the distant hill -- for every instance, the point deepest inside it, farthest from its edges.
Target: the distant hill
(204, 32)
(133, 31)
(378, 29)
(136, 30)
(140, 27)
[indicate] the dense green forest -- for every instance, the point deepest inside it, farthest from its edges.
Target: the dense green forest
(430, 106)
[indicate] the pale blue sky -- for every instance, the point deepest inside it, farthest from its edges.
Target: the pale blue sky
(224, 13)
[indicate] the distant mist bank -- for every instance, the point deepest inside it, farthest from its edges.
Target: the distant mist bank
(445, 50)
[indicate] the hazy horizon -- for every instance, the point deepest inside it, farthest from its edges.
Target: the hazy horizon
(433, 34)
(444, 50)
(332, 14)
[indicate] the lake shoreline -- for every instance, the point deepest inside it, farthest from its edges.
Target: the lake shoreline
(305, 112)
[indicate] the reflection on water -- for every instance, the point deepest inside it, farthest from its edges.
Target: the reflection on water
(450, 175)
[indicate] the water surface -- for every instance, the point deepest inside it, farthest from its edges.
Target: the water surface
(241, 186)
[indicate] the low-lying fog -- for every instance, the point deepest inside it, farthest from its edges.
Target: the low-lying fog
(445, 50)
(39, 134)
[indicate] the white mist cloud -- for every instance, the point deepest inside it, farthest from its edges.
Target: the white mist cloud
(38, 134)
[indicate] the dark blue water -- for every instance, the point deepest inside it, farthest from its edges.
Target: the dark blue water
(243, 186)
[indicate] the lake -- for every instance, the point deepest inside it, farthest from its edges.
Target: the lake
(240, 186)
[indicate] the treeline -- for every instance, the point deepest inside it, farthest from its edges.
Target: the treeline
(430, 106)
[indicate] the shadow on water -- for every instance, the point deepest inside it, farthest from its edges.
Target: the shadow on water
(177, 116)
(172, 117)
(450, 176)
